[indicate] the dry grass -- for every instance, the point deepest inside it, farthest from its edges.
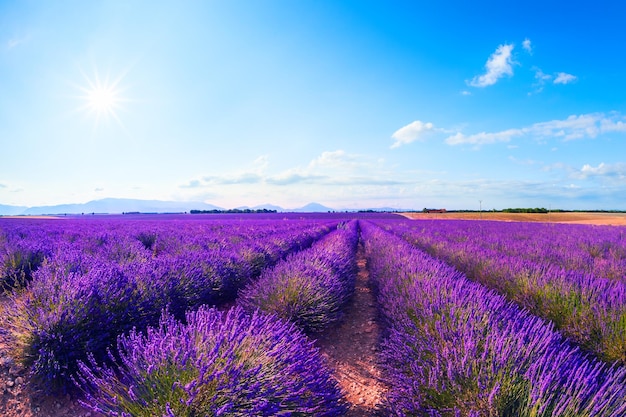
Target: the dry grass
(615, 219)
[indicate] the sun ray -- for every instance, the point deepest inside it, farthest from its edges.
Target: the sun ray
(102, 97)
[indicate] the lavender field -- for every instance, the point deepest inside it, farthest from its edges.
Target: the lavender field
(217, 315)
(572, 275)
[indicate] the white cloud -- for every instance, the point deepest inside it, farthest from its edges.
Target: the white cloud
(483, 138)
(610, 125)
(230, 179)
(294, 177)
(574, 127)
(342, 164)
(411, 132)
(589, 170)
(557, 78)
(329, 168)
(609, 171)
(540, 76)
(466, 93)
(499, 64)
(330, 159)
(527, 46)
(255, 174)
(564, 78)
(541, 79)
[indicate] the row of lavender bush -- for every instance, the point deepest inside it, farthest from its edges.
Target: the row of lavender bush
(454, 348)
(216, 364)
(104, 279)
(309, 287)
(573, 275)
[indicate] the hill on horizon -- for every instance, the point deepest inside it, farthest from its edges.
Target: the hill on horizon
(126, 205)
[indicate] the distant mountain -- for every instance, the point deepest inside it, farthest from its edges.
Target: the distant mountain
(268, 207)
(312, 208)
(261, 207)
(11, 210)
(121, 205)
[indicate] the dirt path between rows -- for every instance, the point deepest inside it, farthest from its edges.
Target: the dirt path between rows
(351, 347)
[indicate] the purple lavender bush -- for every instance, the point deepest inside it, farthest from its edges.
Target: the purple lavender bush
(454, 348)
(22, 252)
(107, 277)
(64, 315)
(572, 275)
(79, 304)
(217, 364)
(309, 287)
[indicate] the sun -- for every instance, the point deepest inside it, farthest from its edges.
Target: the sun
(102, 97)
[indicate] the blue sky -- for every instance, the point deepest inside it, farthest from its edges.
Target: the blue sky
(351, 104)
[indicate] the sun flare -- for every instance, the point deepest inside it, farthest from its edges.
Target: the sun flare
(102, 98)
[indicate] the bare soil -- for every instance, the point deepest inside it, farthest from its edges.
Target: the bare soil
(351, 347)
(614, 219)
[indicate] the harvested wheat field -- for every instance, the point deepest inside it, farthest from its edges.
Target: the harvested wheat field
(615, 219)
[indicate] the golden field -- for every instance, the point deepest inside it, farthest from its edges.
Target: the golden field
(615, 219)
